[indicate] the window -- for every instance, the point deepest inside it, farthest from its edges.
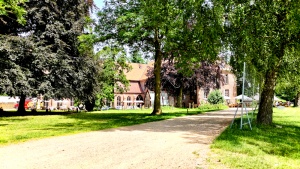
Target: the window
(227, 92)
(139, 100)
(206, 92)
(128, 101)
(139, 97)
(226, 79)
(119, 101)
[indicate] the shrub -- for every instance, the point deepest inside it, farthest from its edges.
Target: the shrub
(215, 97)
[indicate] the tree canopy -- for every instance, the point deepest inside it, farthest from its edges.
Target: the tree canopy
(42, 57)
(265, 35)
(206, 76)
(12, 10)
(113, 65)
(189, 31)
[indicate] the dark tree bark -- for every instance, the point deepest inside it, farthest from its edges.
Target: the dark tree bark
(297, 99)
(179, 97)
(157, 69)
(21, 109)
(89, 105)
(265, 111)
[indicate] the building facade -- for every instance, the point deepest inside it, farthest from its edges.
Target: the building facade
(136, 95)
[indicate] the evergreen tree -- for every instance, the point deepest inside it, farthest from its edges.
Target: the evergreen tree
(42, 57)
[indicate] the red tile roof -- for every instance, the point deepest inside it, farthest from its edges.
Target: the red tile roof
(138, 72)
(135, 87)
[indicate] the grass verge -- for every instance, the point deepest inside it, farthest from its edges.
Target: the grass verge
(16, 129)
(277, 146)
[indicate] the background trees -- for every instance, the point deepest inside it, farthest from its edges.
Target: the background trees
(264, 34)
(207, 75)
(113, 65)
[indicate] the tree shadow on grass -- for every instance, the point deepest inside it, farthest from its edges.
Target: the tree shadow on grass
(34, 113)
(14, 119)
(99, 121)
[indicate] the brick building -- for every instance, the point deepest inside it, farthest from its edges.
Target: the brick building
(139, 95)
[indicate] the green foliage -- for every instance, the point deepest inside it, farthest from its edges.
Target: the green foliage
(287, 89)
(45, 59)
(12, 9)
(215, 97)
(137, 58)
(263, 34)
(189, 31)
(22, 66)
(111, 76)
(255, 147)
(288, 84)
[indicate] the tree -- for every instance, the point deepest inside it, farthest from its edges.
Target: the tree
(112, 78)
(18, 75)
(42, 57)
(205, 75)
(189, 30)
(109, 77)
(287, 89)
(137, 58)
(265, 35)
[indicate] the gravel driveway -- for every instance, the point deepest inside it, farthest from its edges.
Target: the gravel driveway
(181, 142)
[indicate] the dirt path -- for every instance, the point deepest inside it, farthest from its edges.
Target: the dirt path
(175, 143)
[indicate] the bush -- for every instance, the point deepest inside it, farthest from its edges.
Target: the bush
(215, 97)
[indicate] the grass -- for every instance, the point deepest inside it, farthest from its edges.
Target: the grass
(272, 147)
(17, 129)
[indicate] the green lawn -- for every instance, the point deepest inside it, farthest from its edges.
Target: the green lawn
(263, 147)
(22, 128)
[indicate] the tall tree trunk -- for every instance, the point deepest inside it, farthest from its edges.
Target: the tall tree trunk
(157, 69)
(21, 109)
(297, 99)
(218, 78)
(265, 111)
(179, 97)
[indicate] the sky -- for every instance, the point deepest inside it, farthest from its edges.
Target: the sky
(99, 3)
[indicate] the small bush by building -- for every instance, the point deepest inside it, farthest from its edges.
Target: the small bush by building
(215, 97)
